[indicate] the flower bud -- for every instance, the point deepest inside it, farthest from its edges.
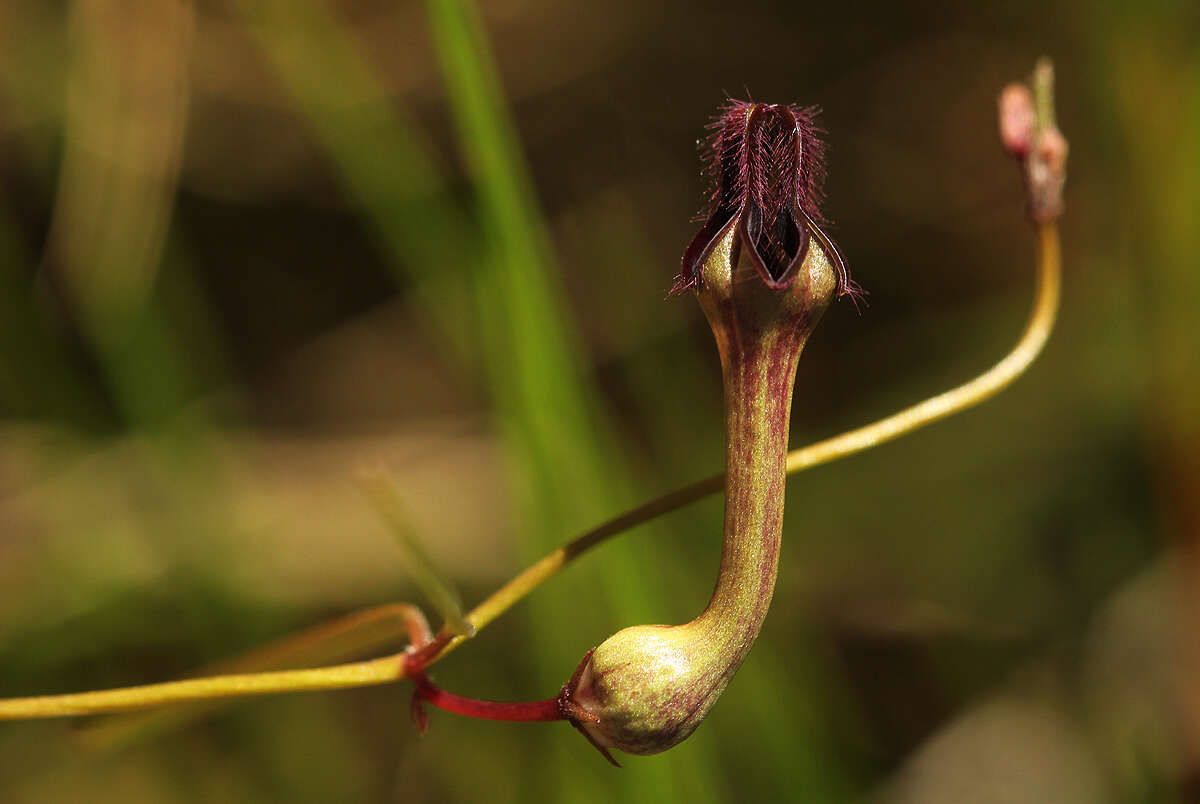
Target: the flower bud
(1029, 132)
(1016, 119)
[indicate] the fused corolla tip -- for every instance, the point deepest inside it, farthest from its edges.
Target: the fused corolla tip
(765, 164)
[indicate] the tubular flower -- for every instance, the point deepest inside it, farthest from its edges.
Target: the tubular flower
(648, 687)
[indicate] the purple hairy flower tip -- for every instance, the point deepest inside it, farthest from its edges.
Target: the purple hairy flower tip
(765, 164)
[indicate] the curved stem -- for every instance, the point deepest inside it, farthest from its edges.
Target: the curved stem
(391, 668)
(970, 393)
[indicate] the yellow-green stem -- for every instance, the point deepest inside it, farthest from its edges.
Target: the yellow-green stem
(360, 674)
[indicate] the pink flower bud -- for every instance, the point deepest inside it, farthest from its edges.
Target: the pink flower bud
(1016, 120)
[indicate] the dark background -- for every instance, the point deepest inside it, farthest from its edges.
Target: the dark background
(248, 249)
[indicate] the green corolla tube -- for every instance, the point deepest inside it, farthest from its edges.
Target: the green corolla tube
(764, 273)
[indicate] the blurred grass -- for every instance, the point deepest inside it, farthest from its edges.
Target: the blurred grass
(123, 135)
(36, 379)
(389, 171)
(1164, 70)
(157, 511)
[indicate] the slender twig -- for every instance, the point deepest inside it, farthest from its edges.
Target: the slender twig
(354, 635)
(361, 674)
(392, 668)
(357, 674)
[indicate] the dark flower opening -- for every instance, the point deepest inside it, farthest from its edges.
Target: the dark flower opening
(766, 165)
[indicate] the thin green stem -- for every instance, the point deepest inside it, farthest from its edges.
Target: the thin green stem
(360, 633)
(342, 676)
(391, 668)
(311, 642)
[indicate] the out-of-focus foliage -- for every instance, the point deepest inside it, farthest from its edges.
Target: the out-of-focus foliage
(247, 248)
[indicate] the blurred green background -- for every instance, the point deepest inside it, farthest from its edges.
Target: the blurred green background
(247, 248)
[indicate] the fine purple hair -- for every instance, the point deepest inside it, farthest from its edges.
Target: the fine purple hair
(726, 164)
(765, 167)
